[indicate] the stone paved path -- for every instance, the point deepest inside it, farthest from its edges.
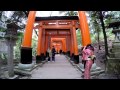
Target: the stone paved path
(60, 69)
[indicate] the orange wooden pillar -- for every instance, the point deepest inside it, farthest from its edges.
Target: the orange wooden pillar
(76, 55)
(46, 44)
(69, 44)
(26, 50)
(72, 44)
(43, 45)
(62, 48)
(39, 44)
(64, 45)
(84, 28)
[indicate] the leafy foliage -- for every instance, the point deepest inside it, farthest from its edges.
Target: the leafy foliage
(69, 13)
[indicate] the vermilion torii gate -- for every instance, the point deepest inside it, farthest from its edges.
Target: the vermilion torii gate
(54, 27)
(60, 43)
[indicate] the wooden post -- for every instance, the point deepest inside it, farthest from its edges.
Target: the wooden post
(29, 29)
(64, 43)
(38, 57)
(26, 50)
(72, 45)
(69, 44)
(46, 44)
(76, 55)
(44, 51)
(84, 28)
(43, 45)
(75, 40)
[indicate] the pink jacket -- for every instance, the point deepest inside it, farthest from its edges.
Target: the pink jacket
(86, 53)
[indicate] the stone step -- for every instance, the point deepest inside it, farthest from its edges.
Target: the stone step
(21, 72)
(113, 60)
(115, 50)
(92, 70)
(35, 66)
(97, 72)
(114, 55)
(72, 62)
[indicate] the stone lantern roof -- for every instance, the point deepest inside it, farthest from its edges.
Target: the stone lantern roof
(13, 26)
(114, 24)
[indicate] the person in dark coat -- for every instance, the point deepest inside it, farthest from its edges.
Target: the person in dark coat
(53, 53)
(60, 51)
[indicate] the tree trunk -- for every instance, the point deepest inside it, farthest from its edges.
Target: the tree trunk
(98, 39)
(97, 30)
(10, 59)
(104, 33)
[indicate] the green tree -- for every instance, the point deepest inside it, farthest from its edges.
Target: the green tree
(69, 13)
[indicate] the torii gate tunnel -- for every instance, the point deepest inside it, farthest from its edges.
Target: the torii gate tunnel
(54, 30)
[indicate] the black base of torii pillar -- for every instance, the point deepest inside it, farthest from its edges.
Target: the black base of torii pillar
(76, 59)
(40, 58)
(68, 53)
(26, 55)
(26, 61)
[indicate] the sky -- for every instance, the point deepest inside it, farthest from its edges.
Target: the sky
(47, 13)
(42, 13)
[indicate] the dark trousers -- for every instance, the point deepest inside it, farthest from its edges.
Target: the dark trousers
(53, 58)
(84, 62)
(48, 58)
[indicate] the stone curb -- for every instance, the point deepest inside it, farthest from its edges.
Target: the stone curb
(28, 72)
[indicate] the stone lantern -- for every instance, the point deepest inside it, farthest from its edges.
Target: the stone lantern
(113, 63)
(11, 37)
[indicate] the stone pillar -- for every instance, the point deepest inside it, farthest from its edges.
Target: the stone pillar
(113, 60)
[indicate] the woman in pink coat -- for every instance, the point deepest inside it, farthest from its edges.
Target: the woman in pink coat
(88, 59)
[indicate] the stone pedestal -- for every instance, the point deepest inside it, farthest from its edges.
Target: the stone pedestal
(25, 66)
(94, 67)
(95, 70)
(113, 62)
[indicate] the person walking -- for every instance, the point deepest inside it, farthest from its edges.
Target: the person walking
(49, 54)
(53, 53)
(88, 58)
